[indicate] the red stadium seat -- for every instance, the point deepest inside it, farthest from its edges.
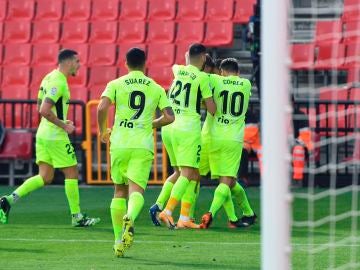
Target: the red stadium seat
(131, 32)
(162, 75)
(75, 115)
(181, 49)
(123, 49)
(161, 32)
(75, 32)
(20, 10)
(1, 30)
(103, 32)
(328, 31)
(163, 55)
(37, 75)
(108, 12)
(45, 54)
(102, 55)
(15, 92)
(218, 33)
(16, 77)
(352, 31)
(353, 74)
(49, 10)
(100, 76)
(190, 10)
(17, 54)
(219, 10)
(330, 93)
(3, 5)
(77, 10)
(82, 50)
(302, 56)
(244, 9)
(17, 32)
(160, 10)
(330, 56)
(1, 58)
(122, 71)
(79, 93)
(352, 55)
(133, 10)
(18, 144)
(80, 80)
(46, 32)
(190, 32)
(351, 10)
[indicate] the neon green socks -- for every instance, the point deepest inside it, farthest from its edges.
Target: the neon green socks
(179, 188)
(136, 203)
(30, 185)
(241, 199)
(72, 194)
(117, 210)
(187, 200)
(222, 192)
(229, 209)
(164, 194)
(193, 205)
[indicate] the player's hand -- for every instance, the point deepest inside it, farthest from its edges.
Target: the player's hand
(69, 127)
(104, 136)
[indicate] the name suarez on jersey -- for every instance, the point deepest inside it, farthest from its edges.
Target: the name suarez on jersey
(185, 73)
(138, 81)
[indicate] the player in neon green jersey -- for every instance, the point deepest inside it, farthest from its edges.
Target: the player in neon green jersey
(136, 98)
(53, 147)
(189, 87)
(224, 136)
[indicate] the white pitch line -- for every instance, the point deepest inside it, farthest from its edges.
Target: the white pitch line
(160, 242)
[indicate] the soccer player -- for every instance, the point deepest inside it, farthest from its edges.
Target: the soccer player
(136, 98)
(171, 180)
(226, 131)
(190, 85)
(53, 147)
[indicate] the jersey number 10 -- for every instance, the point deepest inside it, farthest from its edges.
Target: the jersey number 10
(236, 103)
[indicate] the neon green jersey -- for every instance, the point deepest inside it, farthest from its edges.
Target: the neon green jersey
(205, 131)
(190, 85)
(231, 96)
(54, 86)
(136, 98)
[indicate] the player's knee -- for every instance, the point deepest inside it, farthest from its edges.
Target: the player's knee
(71, 173)
(47, 177)
(120, 191)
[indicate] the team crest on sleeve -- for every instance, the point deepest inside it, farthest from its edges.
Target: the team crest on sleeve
(53, 91)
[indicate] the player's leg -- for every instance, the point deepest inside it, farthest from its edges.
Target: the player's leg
(45, 176)
(193, 204)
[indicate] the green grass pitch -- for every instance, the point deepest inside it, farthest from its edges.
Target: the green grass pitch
(39, 236)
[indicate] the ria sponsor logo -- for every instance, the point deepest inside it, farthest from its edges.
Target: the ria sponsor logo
(126, 124)
(223, 120)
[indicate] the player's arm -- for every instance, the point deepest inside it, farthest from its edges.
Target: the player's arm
(166, 118)
(102, 115)
(206, 87)
(210, 105)
(47, 113)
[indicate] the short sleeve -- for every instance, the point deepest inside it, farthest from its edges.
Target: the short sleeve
(40, 93)
(247, 86)
(175, 69)
(54, 91)
(163, 101)
(110, 92)
(205, 87)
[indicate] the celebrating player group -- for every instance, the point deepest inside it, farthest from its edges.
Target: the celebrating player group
(193, 150)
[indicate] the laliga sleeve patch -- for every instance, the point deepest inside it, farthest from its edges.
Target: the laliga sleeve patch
(53, 91)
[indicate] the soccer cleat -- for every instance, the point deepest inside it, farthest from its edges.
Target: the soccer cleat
(4, 210)
(168, 220)
(119, 249)
(84, 221)
(243, 222)
(206, 220)
(187, 225)
(154, 210)
(127, 237)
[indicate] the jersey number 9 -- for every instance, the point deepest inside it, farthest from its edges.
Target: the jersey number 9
(137, 103)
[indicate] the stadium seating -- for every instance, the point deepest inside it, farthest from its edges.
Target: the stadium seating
(3, 8)
(219, 10)
(17, 54)
(163, 55)
(103, 32)
(353, 74)
(77, 10)
(100, 76)
(123, 48)
(45, 32)
(351, 10)
(1, 30)
(75, 32)
(20, 10)
(190, 10)
(1, 58)
(328, 31)
(243, 10)
(80, 80)
(37, 74)
(131, 32)
(49, 10)
(82, 50)
(108, 12)
(190, 32)
(102, 55)
(133, 10)
(302, 56)
(160, 32)
(181, 49)
(330, 56)
(15, 77)
(218, 33)
(352, 55)
(352, 31)
(161, 10)
(45, 54)
(162, 75)
(17, 32)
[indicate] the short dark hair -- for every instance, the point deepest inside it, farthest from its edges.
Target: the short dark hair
(230, 64)
(218, 62)
(196, 49)
(135, 58)
(66, 54)
(209, 62)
